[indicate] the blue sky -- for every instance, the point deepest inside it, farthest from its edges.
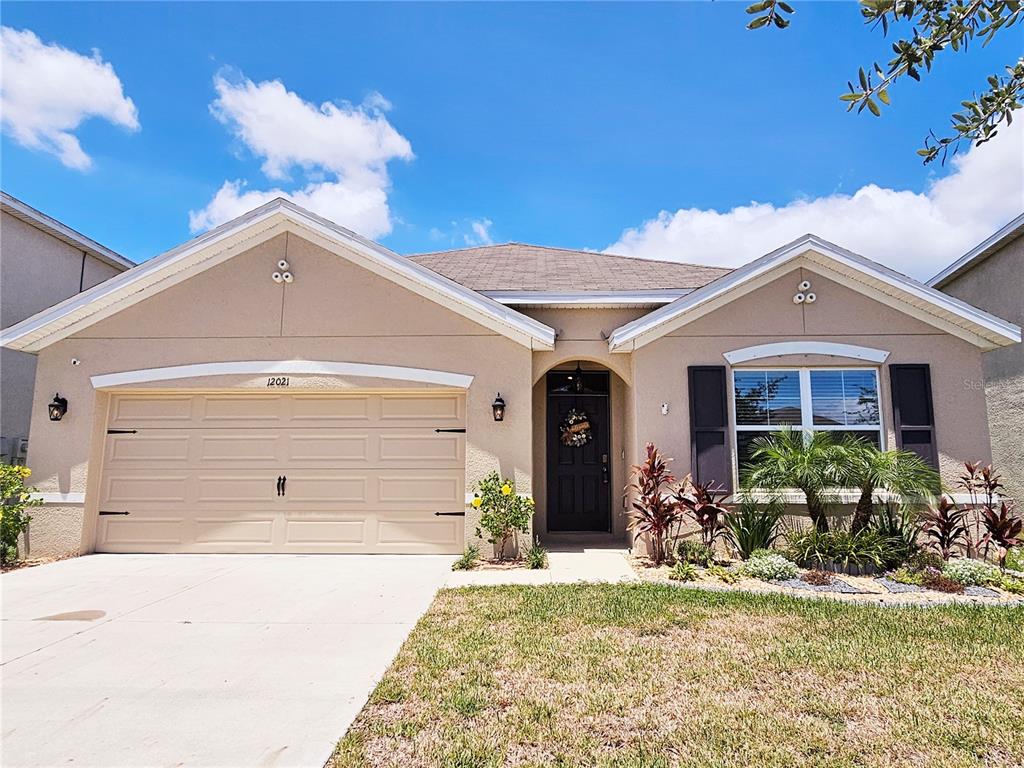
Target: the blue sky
(566, 125)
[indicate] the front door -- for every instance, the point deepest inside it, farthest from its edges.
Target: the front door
(578, 437)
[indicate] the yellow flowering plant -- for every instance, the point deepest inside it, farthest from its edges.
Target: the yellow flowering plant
(15, 498)
(503, 513)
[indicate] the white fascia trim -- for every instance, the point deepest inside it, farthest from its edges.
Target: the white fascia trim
(56, 499)
(282, 367)
(585, 298)
(217, 245)
(63, 232)
(983, 249)
(778, 349)
(650, 327)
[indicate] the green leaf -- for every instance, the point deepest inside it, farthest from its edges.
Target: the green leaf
(863, 79)
(883, 96)
(874, 108)
(758, 23)
(786, 7)
(850, 97)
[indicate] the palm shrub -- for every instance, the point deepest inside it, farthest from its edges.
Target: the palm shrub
(15, 499)
(869, 469)
(751, 526)
(503, 513)
(790, 459)
(654, 512)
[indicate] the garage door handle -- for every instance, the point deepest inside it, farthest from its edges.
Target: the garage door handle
(449, 514)
(280, 485)
(284, 484)
(461, 431)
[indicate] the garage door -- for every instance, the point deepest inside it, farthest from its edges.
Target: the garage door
(236, 472)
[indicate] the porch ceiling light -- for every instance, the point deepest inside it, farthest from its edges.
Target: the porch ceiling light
(498, 408)
(58, 407)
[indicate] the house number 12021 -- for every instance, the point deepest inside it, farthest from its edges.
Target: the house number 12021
(277, 381)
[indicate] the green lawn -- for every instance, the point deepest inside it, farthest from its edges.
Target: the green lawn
(641, 676)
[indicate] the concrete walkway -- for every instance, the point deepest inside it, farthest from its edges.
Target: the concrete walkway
(601, 561)
(200, 660)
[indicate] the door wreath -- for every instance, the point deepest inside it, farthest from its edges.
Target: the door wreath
(576, 430)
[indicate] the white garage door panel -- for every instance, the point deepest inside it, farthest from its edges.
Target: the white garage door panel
(365, 473)
(234, 411)
(330, 447)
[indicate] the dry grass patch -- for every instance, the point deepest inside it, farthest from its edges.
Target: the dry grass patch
(641, 676)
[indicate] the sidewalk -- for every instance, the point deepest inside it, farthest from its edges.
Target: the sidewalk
(600, 563)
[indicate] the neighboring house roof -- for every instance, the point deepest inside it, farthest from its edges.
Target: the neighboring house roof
(514, 273)
(852, 270)
(979, 253)
(241, 234)
(64, 233)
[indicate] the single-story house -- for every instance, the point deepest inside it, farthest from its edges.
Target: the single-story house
(991, 276)
(281, 384)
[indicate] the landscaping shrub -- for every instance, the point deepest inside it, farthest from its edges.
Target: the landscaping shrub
(971, 573)
(503, 513)
(703, 504)
(946, 527)
(696, 552)
(1015, 559)
(751, 526)
(723, 574)
(469, 559)
(924, 558)
(813, 548)
(682, 571)
(15, 498)
(653, 513)
(1003, 528)
(898, 524)
(907, 575)
(1012, 584)
(816, 577)
(932, 578)
(769, 566)
(536, 557)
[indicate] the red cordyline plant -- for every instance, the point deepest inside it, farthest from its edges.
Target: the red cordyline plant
(982, 485)
(703, 504)
(1003, 528)
(654, 512)
(945, 524)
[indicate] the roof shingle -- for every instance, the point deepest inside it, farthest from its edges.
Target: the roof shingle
(519, 267)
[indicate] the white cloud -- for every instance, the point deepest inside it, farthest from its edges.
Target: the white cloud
(340, 151)
(917, 233)
(47, 91)
(480, 232)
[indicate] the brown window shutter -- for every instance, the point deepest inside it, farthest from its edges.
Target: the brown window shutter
(912, 410)
(709, 426)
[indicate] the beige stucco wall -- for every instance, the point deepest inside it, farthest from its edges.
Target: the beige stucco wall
(36, 271)
(841, 315)
(996, 285)
(334, 311)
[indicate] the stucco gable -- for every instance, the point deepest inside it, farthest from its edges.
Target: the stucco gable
(242, 235)
(838, 265)
(327, 297)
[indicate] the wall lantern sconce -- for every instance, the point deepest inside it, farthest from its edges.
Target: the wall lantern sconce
(58, 407)
(498, 407)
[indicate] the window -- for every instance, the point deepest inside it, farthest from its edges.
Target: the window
(842, 400)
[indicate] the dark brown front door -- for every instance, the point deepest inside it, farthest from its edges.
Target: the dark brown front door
(579, 490)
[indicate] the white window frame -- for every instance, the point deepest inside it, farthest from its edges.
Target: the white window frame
(807, 424)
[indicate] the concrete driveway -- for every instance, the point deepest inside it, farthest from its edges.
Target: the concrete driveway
(213, 660)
